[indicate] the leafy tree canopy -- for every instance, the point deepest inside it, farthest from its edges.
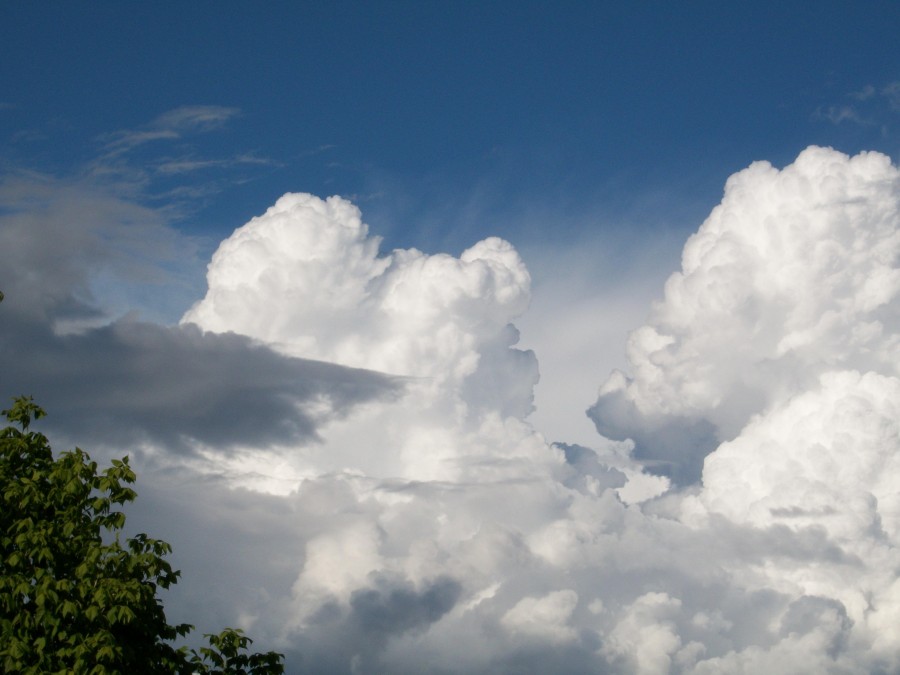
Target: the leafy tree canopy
(69, 602)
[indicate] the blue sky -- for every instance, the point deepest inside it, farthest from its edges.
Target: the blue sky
(441, 117)
(556, 450)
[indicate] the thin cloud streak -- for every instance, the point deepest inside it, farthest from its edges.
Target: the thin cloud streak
(187, 165)
(140, 164)
(170, 125)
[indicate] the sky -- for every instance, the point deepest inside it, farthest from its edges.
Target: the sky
(476, 337)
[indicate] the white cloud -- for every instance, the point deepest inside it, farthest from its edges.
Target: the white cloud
(835, 444)
(543, 618)
(589, 292)
(793, 274)
(307, 278)
(420, 523)
(864, 94)
(778, 334)
(645, 638)
(872, 107)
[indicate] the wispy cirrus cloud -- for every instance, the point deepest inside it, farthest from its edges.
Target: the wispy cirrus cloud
(892, 93)
(863, 94)
(141, 163)
(836, 114)
(190, 164)
(197, 117)
(170, 125)
(871, 106)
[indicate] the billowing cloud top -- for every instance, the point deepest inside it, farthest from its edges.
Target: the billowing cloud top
(306, 277)
(792, 275)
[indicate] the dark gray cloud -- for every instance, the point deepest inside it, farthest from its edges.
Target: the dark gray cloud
(808, 612)
(73, 252)
(672, 446)
(172, 385)
(385, 612)
(352, 639)
(586, 463)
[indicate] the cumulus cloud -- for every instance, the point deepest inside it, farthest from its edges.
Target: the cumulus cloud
(307, 279)
(643, 638)
(792, 275)
(543, 618)
(73, 257)
(837, 443)
(771, 359)
(419, 523)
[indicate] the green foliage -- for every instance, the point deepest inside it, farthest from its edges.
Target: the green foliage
(226, 655)
(70, 602)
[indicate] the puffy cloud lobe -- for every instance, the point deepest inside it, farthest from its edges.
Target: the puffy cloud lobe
(811, 637)
(824, 461)
(306, 277)
(828, 457)
(780, 336)
(644, 637)
(792, 275)
(543, 618)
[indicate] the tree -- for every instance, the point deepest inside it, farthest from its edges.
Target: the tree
(73, 596)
